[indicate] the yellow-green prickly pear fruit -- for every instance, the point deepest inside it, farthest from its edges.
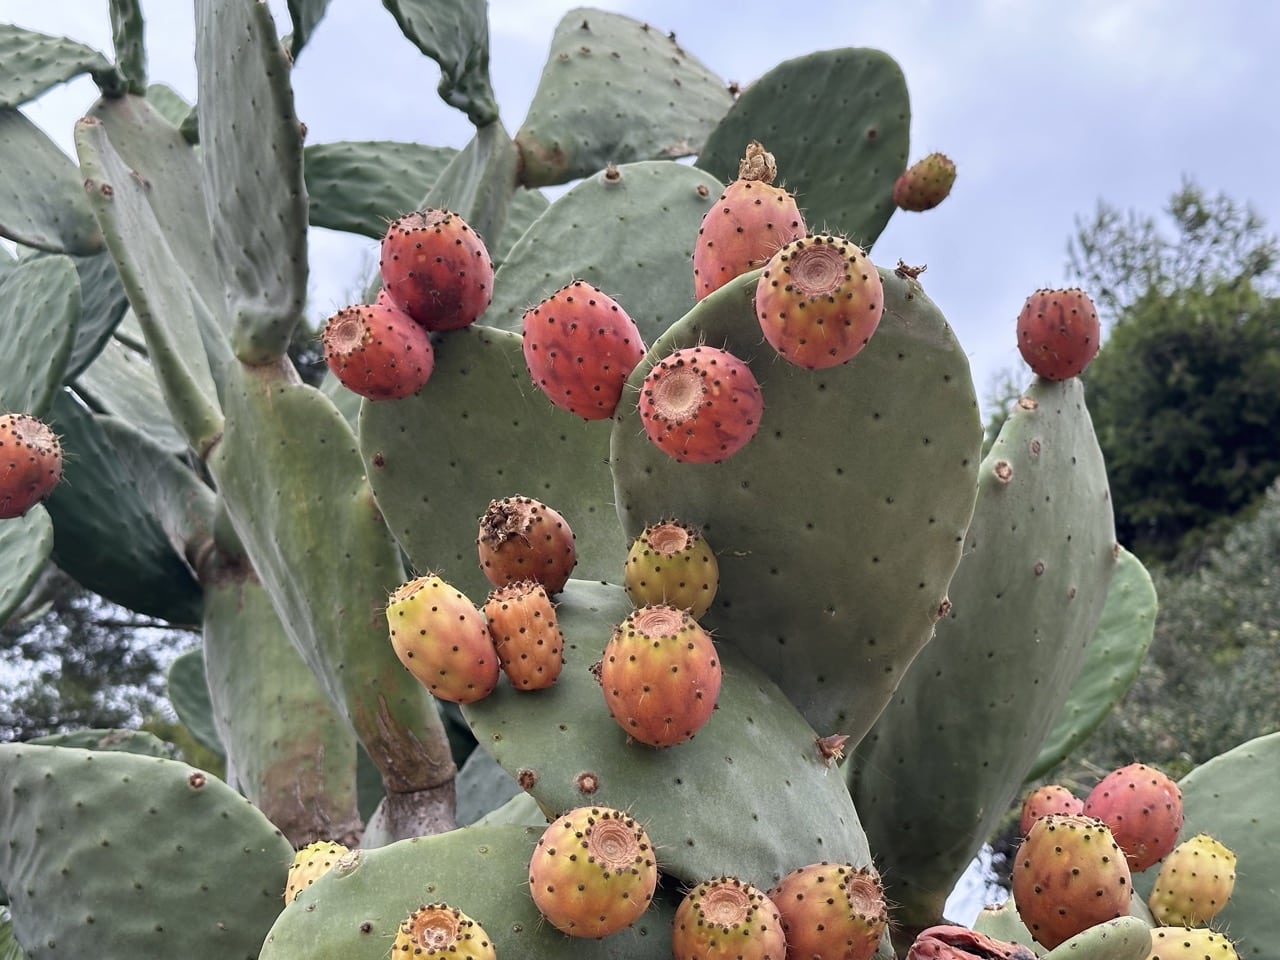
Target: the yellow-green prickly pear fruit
(310, 864)
(1194, 883)
(1190, 943)
(671, 562)
(442, 639)
(439, 930)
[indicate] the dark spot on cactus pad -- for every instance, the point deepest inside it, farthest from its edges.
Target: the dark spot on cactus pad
(197, 780)
(1003, 471)
(366, 927)
(1038, 569)
(587, 782)
(527, 778)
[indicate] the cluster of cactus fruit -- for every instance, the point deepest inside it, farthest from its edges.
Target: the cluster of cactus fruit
(633, 585)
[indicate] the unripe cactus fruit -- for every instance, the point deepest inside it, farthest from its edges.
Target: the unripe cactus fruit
(948, 942)
(1068, 875)
(30, 463)
(524, 539)
(593, 872)
(439, 930)
(670, 562)
(378, 351)
(819, 301)
(1050, 798)
(1058, 333)
(1194, 883)
(727, 919)
(832, 910)
(1187, 943)
(436, 269)
(750, 221)
(442, 639)
(310, 864)
(1143, 808)
(925, 184)
(526, 634)
(580, 346)
(661, 675)
(700, 404)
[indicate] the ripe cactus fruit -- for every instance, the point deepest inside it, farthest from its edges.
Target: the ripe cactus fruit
(526, 635)
(1068, 875)
(832, 910)
(727, 919)
(700, 404)
(1187, 943)
(671, 562)
(1143, 808)
(439, 930)
(443, 640)
(750, 221)
(593, 872)
(948, 942)
(1050, 798)
(30, 463)
(524, 539)
(925, 184)
(580, 346)
(436, 269)
(1058, 333)
(819, 301)
(310, 864)
(377, 351)
(1194, 883)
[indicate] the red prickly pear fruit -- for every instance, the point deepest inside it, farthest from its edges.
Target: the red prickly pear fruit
(1050, 798)
(727, 919)
(671, 562)
(580, 346)
(436, 269)
(593, 872)
(1188, 943)
(310, 864)
(377, 351)
(1069, 874)
(30, 463)
(443, 640)
(750, 221)
(1058, 333)
(439, 930)
(832, 910)
(947, 942)
(819, 301)
(925, 184)
(661, 675)
(526, 634)
(1194, 884)
(524, 539)
(700, 404)
(1143, 808)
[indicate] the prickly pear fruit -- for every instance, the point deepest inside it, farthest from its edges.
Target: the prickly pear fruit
(744, 228)
(1050, 798)
(670, 562)
(1069, 874)
(439, 930)
(310, 864)
(1058, 333)
(819, 301)
(442, 639)
(436, 269)
(593, 872)
(700, 404)
(925, 184)
(30, 463)
(377, 351)
(524, 539)
(727, 919)
(947, 942)
(1187, 943)
(526, 634)
(1143, 808)
(1194, 883)
(831, 910)
(580, 346)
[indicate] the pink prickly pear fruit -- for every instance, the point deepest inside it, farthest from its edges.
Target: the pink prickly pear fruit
(1069, 874)
(746, 225)
(1050, 798)
(524, 539)
(1143, 808)
(30, 463)
(700, 404)
(925, 184)
(661, 675)
(819, 301)
(947, 942)
(832, 910)
(1194, 883)
(443, 640)
(671, 562)
(436, 269)
(1058, 333)
(310, 864)
(526, 634)
(1188, 943)
(580, 346)
(377, 351)
(439, 930)
(727, 919)
(593, 872)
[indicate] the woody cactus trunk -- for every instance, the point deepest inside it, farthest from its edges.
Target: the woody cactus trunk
(955, 623)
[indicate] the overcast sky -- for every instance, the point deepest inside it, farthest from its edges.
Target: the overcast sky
(1046, 107)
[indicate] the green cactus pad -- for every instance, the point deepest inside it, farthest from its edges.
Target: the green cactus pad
(483, 786)
(479, 182)
(128, 35)
(1002, 922)
(169, 103)
(840, 524)
(749, 796)
(522, 810)
(31, 63)
(10, 949)
(121, 383)
(189, 696)
(39, 311)
(1125, 938)
(615, 90)
(305, 16)
(838, 124)
(144, 857)
(455, 34)
(125, 741)
(26, 543)
(42, 202)
(102, 307)
(361, 186)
